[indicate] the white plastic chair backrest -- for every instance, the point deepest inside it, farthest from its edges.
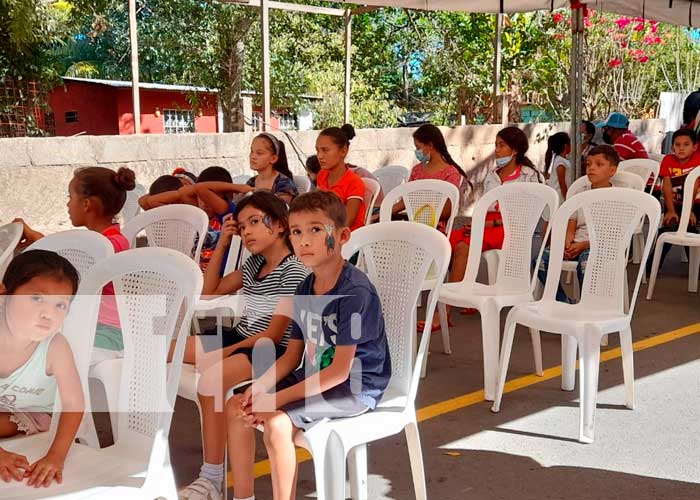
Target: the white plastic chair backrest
(10, 234)
(656, 157)
(240, 179)
(391, 176)
(81, 247)
(303, 183)
(131, 207)
(688, 187)
(178, 227)
(397, 257)
(156, 290)
(233, 261)
(424, 201)
(620, 179)
(612, 216)
(372, 189)
(644, 168)
(521, 205)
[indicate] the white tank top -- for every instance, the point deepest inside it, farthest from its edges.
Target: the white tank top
(28, 388)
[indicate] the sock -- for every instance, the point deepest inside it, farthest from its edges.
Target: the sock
(249, 498)
(214, 473)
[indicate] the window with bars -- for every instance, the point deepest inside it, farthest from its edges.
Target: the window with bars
(178, 121)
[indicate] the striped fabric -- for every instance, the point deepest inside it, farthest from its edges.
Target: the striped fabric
(629, 147)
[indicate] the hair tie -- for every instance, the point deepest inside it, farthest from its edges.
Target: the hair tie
(275, 141)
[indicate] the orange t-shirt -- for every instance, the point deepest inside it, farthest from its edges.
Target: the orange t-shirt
(677, 171)
(348, 187)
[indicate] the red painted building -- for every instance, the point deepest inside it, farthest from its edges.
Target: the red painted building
(103, 107)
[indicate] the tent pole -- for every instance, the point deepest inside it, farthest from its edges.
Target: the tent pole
(136, 100)
(265, 17)
(497, 106)
(576, 82)
(348, 62)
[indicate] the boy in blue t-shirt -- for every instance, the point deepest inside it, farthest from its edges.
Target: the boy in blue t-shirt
(339, 320)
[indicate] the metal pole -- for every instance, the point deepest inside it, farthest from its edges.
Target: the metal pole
(134, 67)
(497, 107)
(576, 83)
(265, 14)
(348, 62)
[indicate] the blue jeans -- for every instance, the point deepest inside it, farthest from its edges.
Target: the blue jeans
(581, 259)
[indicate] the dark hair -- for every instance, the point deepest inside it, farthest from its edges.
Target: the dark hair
(556, 144)
(325, 202)
(34, 263)
(181, 172)
(216, 174)
(687, 132)
(164, 183)
(589, 126)
(341, 136)
(517, 141)
(106, 185)
(608, 151)
(312, 164)
(269, 204)
(278, 148)
(430, 134)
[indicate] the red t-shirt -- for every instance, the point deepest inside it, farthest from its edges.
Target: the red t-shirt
(677, 171)
(629, 147)
(108, 308)
(348, 187)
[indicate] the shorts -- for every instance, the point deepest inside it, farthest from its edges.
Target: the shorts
(108, 337)
(31, 422)
(338, 402)
(229, 337)
(493, 236)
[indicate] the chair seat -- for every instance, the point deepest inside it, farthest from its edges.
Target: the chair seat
(477, 294)
(229, 302)
(189, 379)
(560, 317)
(685, 239)
(88, 472)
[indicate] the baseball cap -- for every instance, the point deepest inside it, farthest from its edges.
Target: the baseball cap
(615, 120)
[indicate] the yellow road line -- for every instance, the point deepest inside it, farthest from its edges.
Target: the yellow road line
(429, 412)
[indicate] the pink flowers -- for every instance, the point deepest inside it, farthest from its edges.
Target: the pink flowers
(622, 22)
(613, 63)
(557, 17)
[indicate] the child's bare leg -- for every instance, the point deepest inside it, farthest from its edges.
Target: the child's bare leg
(241, 450)
(7, 427)
(279, 440)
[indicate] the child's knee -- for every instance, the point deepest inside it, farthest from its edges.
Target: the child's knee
(233, 410)
(277, 427)
(210, 381)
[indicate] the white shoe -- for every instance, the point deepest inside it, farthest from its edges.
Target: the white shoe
(200, 489)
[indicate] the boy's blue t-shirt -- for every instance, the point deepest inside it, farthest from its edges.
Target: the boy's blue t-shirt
(349, 314)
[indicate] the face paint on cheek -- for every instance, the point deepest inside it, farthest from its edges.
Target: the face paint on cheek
(330, 240)
(268, 223)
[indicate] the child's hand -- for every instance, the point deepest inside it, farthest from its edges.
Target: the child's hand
(669, 217)
(29, 235)
(229, 229)
(13, 466)
(46, 470)
(574, 249)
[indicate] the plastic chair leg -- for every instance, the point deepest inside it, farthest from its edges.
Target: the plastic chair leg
(628, 366)
(444, 328)
(537, 351)
(507, 346)
(654, 268)
(637, 247)
(576, 288)
(492, 258)
(568, 363)
(684, 257)
(415, 454)
(589, 366)
(693, 268)
(490, 336)
(357, 470)
(335, 468)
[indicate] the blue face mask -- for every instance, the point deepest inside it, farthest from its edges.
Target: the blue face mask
(421, 156)
(502, 162)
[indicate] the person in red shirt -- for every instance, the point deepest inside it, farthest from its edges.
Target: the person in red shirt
(332, 147)
(674, 169)
(616, 132)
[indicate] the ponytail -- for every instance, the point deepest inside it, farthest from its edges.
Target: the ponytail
(430, 134)
(555, 146)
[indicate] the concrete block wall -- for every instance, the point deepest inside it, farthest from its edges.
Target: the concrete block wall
(35, 172)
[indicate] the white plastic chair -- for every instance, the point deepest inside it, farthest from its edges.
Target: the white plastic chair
(131, 208)
(372, 189)
(646, 169)
(303, 183)
(178, 227)
(612, 215)
(10, 234)
(391, 176)
(398, 257)
(151, 283)
(522, 205)
(681, 237)
(80, 247)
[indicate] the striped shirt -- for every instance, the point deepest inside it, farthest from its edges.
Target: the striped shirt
(629, 147)
(262, 294)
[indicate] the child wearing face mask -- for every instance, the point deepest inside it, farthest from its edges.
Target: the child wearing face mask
(512, 165)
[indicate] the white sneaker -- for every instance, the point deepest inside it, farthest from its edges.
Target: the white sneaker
(200, 489)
